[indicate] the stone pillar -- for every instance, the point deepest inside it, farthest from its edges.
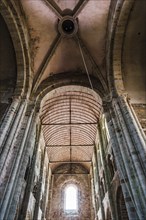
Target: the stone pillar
(94, 205)
(94, 196)
(30, 180)
(138, 140)
(9, 128)
(13, 158)
(49, 208)
(39, 190)
(98, 179)
(102, 146)
(128, 147)
(47, 188)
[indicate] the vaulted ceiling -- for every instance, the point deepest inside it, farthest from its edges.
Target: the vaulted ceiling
(68, 37)
(56, 50)
(69, 119)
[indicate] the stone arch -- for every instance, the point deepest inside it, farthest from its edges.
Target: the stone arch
(72, 168)
(20, 42)
(121, 206)
(65, 79)
(115, 39)
(127, 76)
(118, 46)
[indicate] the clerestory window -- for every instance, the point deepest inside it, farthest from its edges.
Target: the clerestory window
(71, 199)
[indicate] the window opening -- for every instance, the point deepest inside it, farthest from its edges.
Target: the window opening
(71, 199)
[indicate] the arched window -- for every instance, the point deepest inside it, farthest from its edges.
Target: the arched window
(71, 199)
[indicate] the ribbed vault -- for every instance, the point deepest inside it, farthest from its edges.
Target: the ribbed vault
(69, 120)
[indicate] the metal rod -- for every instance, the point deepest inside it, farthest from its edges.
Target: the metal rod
(81, 161)
(85, 123)
(81, 145)
(70, 174)
(70, 126)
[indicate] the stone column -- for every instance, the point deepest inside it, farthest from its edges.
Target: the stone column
(39, 191)
(32, 152)
(98, 179)
(102, 146)
(94, 205)
(49, 208)
(138, 140)
(15, 157)
(93, 181)
(127, 146)
(47, 188)
(9, 128)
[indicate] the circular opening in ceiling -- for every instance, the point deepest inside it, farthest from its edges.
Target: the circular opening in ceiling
(68, 26)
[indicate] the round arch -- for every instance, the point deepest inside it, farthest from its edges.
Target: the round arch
(65, 79)
(16, 28)
(115, 45)
(118, 46)
(127, 48)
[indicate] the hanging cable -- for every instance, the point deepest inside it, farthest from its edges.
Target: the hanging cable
(87, 72)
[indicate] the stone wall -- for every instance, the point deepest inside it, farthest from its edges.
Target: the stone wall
(140, 110)
(81, 180)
